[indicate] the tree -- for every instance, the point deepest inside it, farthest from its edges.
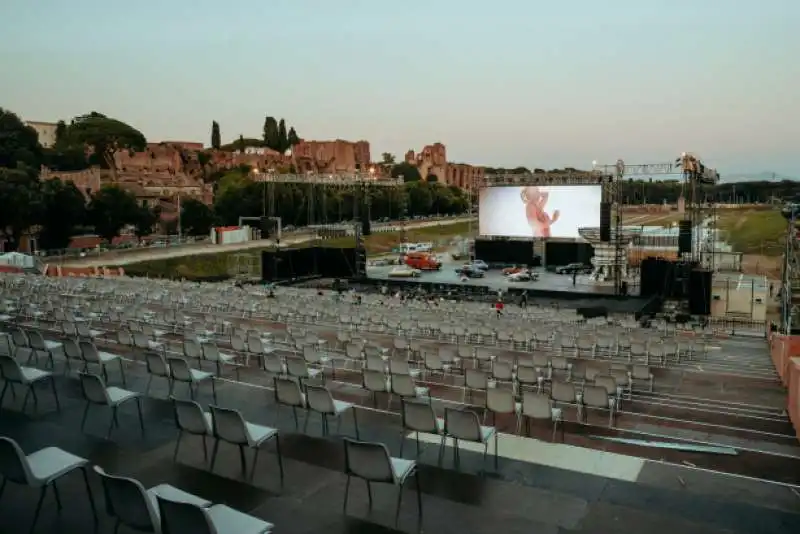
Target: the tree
(387, 158)
(111, 209)
(61, 131)
(242, 144)
(292, 138)
(64, 210)
(20, 204)
(19, 143)
(216, 139)
(196, 218)
(104, 136)
(283, 137)
(431, 178)
(145, 219)
(408, 171)
(270, 133)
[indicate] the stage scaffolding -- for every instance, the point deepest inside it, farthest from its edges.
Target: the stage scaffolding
(790, 277)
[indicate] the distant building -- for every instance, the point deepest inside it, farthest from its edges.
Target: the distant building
(46, 132)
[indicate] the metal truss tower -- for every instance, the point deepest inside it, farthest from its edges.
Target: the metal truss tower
(790, 279)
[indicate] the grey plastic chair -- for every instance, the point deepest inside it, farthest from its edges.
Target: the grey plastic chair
(132, 505)
(14, 373)
(464, 425)
(539, 407)
(39, 344)
(228, 425)
(419, 416)
(95, 392)
(189, 518)
(156, 367)
(40, 469)
(91, 355)
(371, 462)
(180, 371)
(320, 400)
(190, 418)
(288, 392)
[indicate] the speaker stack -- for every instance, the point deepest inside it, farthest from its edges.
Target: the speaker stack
(700, 292)
(605, 222)
(684, 237)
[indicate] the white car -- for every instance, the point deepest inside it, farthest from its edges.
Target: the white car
(523, 276)
(404, 272)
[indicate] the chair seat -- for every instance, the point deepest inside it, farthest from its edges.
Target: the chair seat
(226, 358)
(487, 432)
(259, 433)
(414, 373)
(95, 333)
(159, 333)
(421, 391)
(401, 468)
(171, 493)
(341, 406)
(227, 520)
(154, 345)
(50, 463)
(198, 375)
(106, 357)
(118, 395)
(209, 423)
(313, 373)
(51, 345)
(32, 374)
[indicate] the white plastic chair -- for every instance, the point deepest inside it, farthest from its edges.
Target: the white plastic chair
(229, 426)
(95, 392)
(320, 400)
(14, 373)
(464, 425)
(40, 469)
(190, 418)
(189, 518)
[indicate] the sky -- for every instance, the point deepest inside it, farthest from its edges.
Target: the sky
(503, 83)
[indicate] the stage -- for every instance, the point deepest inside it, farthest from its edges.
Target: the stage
(548, 288)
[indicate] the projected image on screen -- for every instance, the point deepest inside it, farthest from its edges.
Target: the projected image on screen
(539, 211)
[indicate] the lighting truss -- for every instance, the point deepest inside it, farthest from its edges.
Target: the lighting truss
(353, 179)
(790, 279)
(594, 177)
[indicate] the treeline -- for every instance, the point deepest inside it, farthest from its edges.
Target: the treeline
(274, 135)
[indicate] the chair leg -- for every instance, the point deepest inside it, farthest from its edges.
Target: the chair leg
(355, 422)
(214, 389)
(280, 456)
(3, 394)
(399, 503)
(112, 422)
(85, 472)
(243, 461)
(139, 409)
(205, 449)
(57, 495)
(25, 399)
(496, 440)
(255, 461)
(178, 445)
(42, 493)
(85, 415)
(214, 454)
(346, 494)
(369, 493)
(55, 392)
(149, 382)
(122, 372)
(419, 498)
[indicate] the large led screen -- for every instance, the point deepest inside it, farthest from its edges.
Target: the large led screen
(539, 211)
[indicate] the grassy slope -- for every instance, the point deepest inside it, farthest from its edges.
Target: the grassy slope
(216, 265)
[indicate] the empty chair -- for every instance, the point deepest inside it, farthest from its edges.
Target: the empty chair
(612, 388)
(72, 352)
(182, 517)
(180, 371)
(484, 356)
(95, 392)
(228, 425)
(40, 469)
(190, 418)
(404, 387)
(320, 400)
(540, 408)
(14, 373)
(375, 362)
(212, 354)
(313, 356)
(156, 367)
(136, 507)
(375, 382)
(642, 372)
(288, 392)
(464, 425)
(419, 417)
(371, 462)
(91, 355)
(296, 367)
(401, 367)
(255, 346)
(273, 364)
(474, 380)
(598, 397)
(528, 375)
(22, 344)
(85, 332)
(500, 401)
(192, 349)
(39, 345)
(560, 367)
(144, 342)
(566, 392)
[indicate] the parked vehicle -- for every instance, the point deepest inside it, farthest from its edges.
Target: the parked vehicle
(404, 272)
(470, 271)
(574, 268)
(513, 270)
(525, 275)
(423, 261)
(480, 264)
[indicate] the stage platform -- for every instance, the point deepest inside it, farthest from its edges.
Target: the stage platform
(548, 288)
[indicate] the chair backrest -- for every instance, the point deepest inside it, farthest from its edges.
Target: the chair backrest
(462, 424)
(562, 391)
(527, 374)
(375, 380)
(353, 351)
(13, 462)
(238, 344)
(311, 354)
(179, 369)
(403, 385)
(36, 340)
(93, 388)
(229, 425)
(141, 340)
(319, 399)
(210, 352)
(500, 400)
(368, 460)
(191, 349)
(184, 518)
(288, 392)
(10, 370)
(124, 338)
(89, 351)
(536, 405)
(20, 338)
(502, 370)
(476, 379)
(419, 416)
(127, 500)
(156, 364)
(607, 382)
(272, 363)
(72, 350)
(596, 396)
(189, 416)
(296, 366)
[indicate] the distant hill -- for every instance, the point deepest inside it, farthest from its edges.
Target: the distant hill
(755, 177)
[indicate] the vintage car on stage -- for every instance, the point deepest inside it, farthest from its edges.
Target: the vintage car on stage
(404, 272)
(525, 275)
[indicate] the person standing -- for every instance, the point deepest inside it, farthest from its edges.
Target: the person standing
(523, 301)
(499, 307)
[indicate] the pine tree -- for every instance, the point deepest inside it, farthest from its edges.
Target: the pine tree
(292, 138)
(283, 140)
(271, 138)
(216, 141)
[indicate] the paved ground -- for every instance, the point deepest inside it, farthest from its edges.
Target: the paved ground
(519, 495)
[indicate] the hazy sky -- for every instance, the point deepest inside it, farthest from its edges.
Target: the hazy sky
(506, 82)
